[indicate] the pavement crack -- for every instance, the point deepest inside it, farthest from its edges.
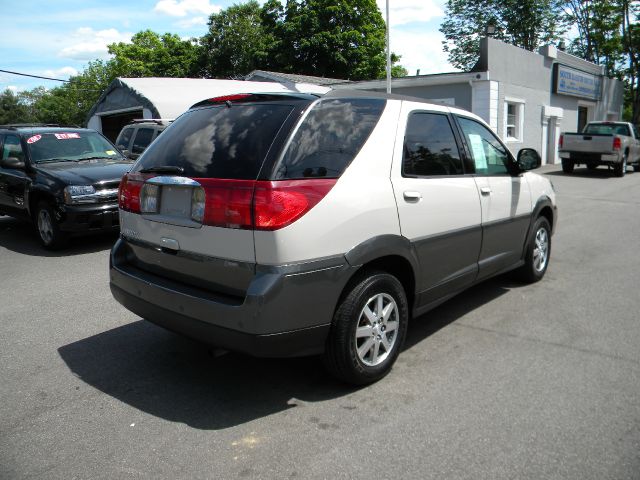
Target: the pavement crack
(555, 344)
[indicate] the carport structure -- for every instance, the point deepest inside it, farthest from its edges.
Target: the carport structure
(126, 99)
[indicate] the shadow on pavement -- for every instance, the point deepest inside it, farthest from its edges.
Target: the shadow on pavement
(178, 379)
(586, 173)
(20, 236)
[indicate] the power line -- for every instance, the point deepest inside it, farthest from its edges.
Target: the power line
(34, 76)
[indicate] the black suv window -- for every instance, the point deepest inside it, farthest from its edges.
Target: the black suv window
(218, 141)
(430, 147)
(489, 155)
(64, 145)
(12, 148)
(329, 138)
(142, 140)
(124, 138)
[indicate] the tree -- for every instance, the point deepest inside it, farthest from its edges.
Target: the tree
(631, 45)
(152, 55)
(12, 110)
(599, 37)
(526, 24)
(325, 38)
(237, 42)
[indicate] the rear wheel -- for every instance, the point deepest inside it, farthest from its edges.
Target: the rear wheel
(567, 166)
(368, 329)
(620, 168)
(538, 253)
(592, 166)
(48, 229)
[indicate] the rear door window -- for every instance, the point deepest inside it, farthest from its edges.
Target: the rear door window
(142, 140)
(329, 138)
(430, 147)
(218, 142)
(124, 138)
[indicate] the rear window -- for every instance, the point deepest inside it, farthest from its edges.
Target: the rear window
(218, 142)
(329, 138)
(608, 129)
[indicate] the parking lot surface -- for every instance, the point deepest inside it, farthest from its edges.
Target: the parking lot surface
(503, 381)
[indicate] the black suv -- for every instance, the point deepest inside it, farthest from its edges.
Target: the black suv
(65, 180)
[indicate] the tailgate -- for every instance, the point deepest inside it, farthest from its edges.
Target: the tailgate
(588, 143)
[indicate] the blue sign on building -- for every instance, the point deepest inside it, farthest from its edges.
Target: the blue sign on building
(569, 81)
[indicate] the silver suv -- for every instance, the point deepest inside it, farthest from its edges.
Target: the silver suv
(289, 225)
(135, 137)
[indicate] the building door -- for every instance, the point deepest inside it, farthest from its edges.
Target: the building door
(583, 118)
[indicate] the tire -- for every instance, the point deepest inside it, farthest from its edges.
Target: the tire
(354, 350)
(636, 167)
(567, 166)
(47, 228)
(592, 166)
(620, 168)
(538, 252)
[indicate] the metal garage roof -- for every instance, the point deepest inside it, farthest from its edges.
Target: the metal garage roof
(169, 97)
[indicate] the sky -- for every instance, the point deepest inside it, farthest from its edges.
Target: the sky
(58, 38)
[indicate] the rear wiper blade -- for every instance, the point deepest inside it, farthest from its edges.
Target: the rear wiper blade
(163, 169)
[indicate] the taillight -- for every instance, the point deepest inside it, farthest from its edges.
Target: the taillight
(244, 204)
(617, 143)
(561, 141)
(227, 202)
(129, 192)
(278, 204)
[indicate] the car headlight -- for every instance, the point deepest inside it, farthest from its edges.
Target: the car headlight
(74, 194)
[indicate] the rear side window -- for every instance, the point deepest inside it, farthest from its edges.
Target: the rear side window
(124, 138)
(329, 138)
(430, 147)
(142, 140)
(218, 142)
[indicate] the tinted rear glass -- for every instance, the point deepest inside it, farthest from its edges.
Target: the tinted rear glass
(608, 129)
(218, 142)
(329, 138)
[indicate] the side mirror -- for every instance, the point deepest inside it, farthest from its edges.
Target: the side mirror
(12, 162)
(528, 159)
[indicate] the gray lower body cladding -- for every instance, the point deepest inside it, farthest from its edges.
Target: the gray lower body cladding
(285, 312)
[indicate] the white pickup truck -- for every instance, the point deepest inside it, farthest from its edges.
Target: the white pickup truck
(614, 144)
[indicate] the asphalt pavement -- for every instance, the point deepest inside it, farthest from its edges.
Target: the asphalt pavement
(505, 381)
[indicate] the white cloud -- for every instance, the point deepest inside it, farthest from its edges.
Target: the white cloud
(420, 51)
(62, 73)
(402, 12)
(13, 88)
(90, 44)
(192, 22)
(182, 8)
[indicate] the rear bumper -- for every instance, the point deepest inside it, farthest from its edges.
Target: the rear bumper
(89, 218)
(597, 158)
(286, 311)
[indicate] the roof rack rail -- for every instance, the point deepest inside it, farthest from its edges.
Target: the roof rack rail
(157, 121)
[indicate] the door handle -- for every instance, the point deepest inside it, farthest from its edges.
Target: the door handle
(412, 197)
(485, 190)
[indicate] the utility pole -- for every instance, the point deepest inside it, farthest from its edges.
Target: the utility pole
(388, 54)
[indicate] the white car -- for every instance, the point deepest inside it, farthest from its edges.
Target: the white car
(288, 225)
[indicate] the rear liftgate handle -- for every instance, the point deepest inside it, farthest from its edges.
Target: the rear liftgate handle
(412, 197)
(485, 191)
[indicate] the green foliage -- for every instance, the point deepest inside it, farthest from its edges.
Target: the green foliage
(526, 24)
(237, 42)
(325, 38)
(152, 55)
(12, 109)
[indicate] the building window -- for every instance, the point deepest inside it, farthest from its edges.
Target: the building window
(513, 120)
